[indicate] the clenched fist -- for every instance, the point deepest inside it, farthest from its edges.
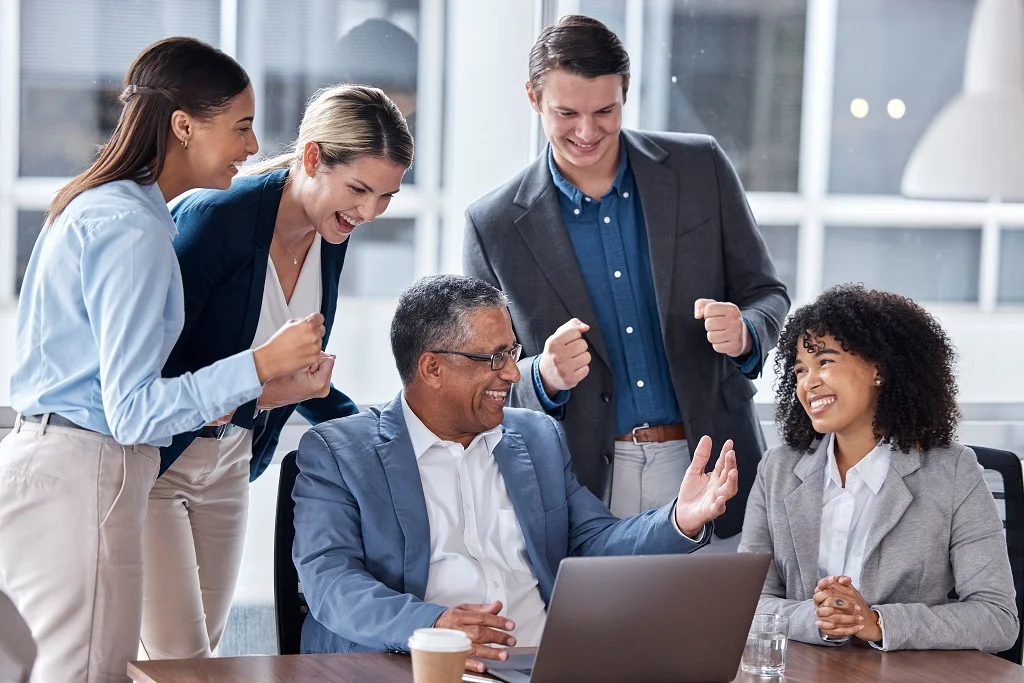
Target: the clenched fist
(565, 360)
(724, 324)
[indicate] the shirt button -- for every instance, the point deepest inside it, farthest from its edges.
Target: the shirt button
(576, 211)
(640, 383)
(618, 273)
(625, 195)
(629, 330)
(587, 198)
(607, 219)
(494, 583)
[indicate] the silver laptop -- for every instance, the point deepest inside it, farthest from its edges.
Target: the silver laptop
(644, 619)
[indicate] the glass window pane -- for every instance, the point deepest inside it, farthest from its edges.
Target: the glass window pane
(612, 13)
(733, 70)
(925, 264)
(292, 49)
(381, 259)
(29, 225)
(1011, 275)
(74, 54)
(909, 52)
(782, 247)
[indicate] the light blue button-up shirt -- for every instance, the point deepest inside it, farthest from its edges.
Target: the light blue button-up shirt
(100, 310)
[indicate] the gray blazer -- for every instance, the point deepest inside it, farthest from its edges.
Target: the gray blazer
(937, 528)
(703, 243)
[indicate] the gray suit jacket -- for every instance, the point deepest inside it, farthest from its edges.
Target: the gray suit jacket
(937, 528)
(703, 243)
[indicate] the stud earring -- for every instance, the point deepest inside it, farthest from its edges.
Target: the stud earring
(878, 381)
(184, 144)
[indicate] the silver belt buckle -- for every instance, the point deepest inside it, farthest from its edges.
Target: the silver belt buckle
(645, 425)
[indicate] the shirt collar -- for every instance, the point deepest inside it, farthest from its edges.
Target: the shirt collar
(156, 197)
(423, 439)
(574, 194)
(873, 469)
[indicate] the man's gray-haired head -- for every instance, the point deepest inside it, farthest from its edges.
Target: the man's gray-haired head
(433, 313)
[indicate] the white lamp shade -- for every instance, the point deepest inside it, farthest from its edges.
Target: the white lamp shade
(974, 149)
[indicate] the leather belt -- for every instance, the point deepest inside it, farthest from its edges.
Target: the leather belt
(658, 434)
(216, 432)
(54, 421)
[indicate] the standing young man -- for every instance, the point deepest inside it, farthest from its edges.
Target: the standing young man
(638, 248)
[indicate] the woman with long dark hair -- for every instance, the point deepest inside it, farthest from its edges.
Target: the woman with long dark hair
(269, 249)
(870, 509)
(101, 307)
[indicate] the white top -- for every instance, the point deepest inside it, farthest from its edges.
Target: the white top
(307, 297)
(477, 549)
(847, 514)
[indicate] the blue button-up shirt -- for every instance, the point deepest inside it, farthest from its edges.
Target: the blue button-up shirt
(609, 237)
(100, 309)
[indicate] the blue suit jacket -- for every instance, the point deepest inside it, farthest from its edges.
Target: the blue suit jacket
(223, 245)
(362, 539)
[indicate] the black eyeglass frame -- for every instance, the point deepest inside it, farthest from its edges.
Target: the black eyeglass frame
(497, 360)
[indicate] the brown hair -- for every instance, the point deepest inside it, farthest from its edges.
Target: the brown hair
(171, 74)
(583, 47)
(347, 122)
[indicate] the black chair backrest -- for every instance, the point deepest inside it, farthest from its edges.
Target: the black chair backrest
(289, 604)
(1008, 489)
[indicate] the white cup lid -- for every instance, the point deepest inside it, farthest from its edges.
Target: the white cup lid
(439, 640)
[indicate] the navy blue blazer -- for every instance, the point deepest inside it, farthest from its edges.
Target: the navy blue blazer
(362, 534)
(223, 245)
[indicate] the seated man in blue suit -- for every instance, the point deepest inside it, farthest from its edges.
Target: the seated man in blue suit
(444, 508)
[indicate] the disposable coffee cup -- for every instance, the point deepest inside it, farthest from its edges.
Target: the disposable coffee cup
(438, 655)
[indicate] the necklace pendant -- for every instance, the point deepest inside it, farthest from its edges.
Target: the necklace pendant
(295, 261)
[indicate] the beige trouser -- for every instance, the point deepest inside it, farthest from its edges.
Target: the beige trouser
(72, 505)
(647, 475)
(192, 547)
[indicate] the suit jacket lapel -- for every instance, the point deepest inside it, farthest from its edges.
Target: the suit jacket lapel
(523, 487)
(803, 510)
(332, 258)
(543, 231)
(893, 499)
(270, 200)
(403, 475)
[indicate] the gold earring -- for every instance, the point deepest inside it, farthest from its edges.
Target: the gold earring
(184, 144)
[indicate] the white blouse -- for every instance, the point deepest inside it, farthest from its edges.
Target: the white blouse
(307, 298)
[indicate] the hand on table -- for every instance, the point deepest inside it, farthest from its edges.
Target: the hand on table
(484, 628)
(841, 610)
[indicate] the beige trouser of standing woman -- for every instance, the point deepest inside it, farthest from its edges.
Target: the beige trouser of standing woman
(72, 506)
(192, 547)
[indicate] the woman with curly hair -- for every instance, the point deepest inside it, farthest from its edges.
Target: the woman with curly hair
(871, 511)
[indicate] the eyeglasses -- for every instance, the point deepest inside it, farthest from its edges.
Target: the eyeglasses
(497, 360)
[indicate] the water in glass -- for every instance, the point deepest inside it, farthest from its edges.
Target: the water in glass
(765, 654)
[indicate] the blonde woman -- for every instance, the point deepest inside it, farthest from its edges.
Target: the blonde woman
(268, 250)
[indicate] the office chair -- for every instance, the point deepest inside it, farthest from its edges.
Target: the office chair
(1003, 476)
(290, 606)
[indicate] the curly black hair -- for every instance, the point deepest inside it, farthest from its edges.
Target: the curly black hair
(917, 403)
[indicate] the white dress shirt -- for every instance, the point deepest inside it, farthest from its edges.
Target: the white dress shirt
(847, 514)
(477, 549)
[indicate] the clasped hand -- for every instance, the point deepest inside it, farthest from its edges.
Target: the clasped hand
(841, 610)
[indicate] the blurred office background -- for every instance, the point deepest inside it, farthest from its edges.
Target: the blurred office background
(879, 141)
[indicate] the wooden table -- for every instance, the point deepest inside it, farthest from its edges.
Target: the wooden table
(805, 664)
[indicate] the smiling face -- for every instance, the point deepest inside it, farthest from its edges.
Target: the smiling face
(339, 198)
(837, 389)
(217, 146)
(581, 118)
(473, 395)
